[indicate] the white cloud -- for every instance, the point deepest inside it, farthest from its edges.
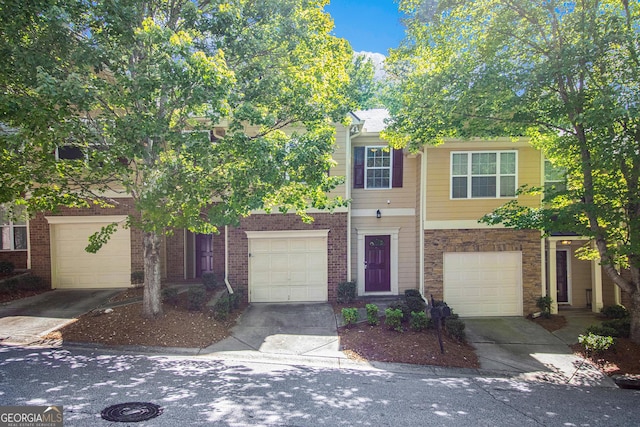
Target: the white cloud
(378, 62)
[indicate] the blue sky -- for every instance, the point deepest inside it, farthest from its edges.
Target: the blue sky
(369, 25)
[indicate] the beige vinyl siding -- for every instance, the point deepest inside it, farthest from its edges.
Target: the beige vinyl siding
(340, 156)
(407, 247)
(404, 197)
(440, 206)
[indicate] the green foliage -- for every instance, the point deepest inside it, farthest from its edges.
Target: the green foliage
(350, 315)
(455, 327)
(27, 282)
(372, 314)
(222, 308)
(544, 304)
(614, 312)
(170, 296)
(210, 281)
(346, 292)
(137, 277)
(393, 318)
(415, 303)
(419, 321)
(619, 328)
(196, 298)
(6, 267)
(594, 344)
(403, 307)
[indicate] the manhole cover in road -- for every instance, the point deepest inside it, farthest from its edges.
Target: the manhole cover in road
(131, 412)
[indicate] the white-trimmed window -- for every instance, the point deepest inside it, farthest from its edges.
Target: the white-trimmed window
(484, 174)
(13, 232)
(378, 167)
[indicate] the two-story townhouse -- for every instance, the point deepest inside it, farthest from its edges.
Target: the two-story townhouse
(412, 224)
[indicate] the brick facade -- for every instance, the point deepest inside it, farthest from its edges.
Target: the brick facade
(174, 255)
(18, 258)
(437, 242)
(337, 245)
(39, 236)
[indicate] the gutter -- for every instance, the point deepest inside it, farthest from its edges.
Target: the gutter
(226, 260)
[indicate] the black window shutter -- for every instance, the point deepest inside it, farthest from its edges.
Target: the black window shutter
(358, 167)
(398, 161)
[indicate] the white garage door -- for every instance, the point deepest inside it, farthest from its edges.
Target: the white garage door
(73, 267)
(288, 266)
(483, 283)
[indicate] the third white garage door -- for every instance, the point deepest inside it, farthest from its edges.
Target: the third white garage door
(483, 283)
(288, 266)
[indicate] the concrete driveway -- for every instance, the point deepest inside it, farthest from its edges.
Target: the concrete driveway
(25, 321)
(517, 346)
(283, 330)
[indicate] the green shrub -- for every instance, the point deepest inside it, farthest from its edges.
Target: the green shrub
(10, 285)
(222, 308)
(455, 328)
(170, 296)
(6, 267)
(372, 314)
(31, 283)
(137, 277)
(614, 312)
(196, 298)
(621, 326)
(412, 293)
(234, 301)
(210, 281)
(350, 315)
(594, 344)
(544, 304)
(403, 307)
(346, 292)
(602, 330)
(415, 304)
(393, 318)
(419, 321)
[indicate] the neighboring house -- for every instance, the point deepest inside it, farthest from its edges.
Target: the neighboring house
(412, 224)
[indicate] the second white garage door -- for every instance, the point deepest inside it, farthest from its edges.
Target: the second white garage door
(288, 266)
(73, 267)
(483, 283)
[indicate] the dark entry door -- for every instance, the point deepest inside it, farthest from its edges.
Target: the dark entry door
(204, 254)
(562, 276)
(377, 264)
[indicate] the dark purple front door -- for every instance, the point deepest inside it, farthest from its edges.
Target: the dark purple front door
(562, 276)
(204, 254)
(377, 259)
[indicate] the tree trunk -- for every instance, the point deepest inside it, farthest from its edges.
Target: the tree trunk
(151, 303)
(634, 311)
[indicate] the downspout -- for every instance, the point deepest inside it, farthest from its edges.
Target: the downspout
(226, 260)
(347, 195)
(423, 214)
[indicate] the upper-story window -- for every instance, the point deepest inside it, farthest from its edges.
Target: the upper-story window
(70, 152)
(483, 174)
(13, 232)
(377, 167)
(555, 178)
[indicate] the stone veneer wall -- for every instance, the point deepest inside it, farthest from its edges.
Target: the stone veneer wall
(337, 245)
(437, 242)
(39, 235)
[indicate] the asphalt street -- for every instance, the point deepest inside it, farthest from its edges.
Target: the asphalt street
(223, 392)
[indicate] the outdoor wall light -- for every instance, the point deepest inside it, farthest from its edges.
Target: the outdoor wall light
(378, 214)
(565, 242)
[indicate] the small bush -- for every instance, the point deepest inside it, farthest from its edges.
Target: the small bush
(170, 296)
(234, 301)
(602, 330)
(372, 314)
(412, 293)
(455, 328)
(419, 321)
(350, 315)
(210, 281)
(7, 267)
(594, 344)
(346, 292)
(614, 312)
(222, 308)
(196, 298)
(403, 307)
(415, 304)
(137, 277)
(621, 326)
(31, 283)
(9, 285)
(544, 304)
(393, 318)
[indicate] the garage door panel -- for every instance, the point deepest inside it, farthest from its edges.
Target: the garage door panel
(296, 269)
(483, 283)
